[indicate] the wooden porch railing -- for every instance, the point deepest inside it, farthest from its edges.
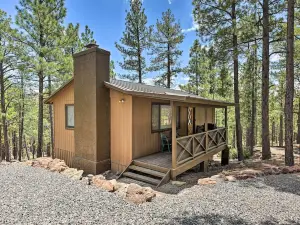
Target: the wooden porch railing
(192, 146)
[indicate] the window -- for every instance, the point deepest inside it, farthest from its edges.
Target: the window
(69, 116)
(162, 117)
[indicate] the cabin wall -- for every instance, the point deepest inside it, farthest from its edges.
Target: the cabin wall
(144, 142)
(200, 115)
(121, 130)
(63, 137)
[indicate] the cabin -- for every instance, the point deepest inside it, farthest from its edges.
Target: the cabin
(147, 133)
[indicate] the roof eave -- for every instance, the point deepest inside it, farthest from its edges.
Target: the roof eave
(49, 100)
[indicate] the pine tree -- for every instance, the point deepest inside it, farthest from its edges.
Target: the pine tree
(266, 152)
(196, 69)
(212, 71)
(8, 63)
(165, 49)
(134, 42)
(225, 82)
(42, 26)
(218, 22)
(112, 70)
(87, 37)
(289, 94)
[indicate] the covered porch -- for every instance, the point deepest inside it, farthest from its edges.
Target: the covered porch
(198, 146)
(201, 141)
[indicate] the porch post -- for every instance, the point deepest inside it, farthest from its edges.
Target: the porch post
(174, 142)
(225, 153)
(204, 165)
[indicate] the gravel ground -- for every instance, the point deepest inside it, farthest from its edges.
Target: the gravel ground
(36, 196)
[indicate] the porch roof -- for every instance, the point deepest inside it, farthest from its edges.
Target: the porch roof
(158, 92)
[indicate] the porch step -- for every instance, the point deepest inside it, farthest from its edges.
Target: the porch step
(147, 171)
(150, 166)
(139, 177)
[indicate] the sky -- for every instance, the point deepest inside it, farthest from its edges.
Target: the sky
(107, 19)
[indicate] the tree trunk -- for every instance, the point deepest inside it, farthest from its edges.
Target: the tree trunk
(238, 127)
(14, 144)
(298, 122)
(289, 94)
(21, 119)
(51, 119)
(253, 102)
(266, 152)
(169, 69)
(233, 144)
(40, 117)
(26, 149)
(1, 145)
(273, 133)
(32, 145)
(48, 150)
(281, 125)
(41, 92)
(3, 111)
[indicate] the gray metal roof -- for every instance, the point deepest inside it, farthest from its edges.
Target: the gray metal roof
(159, 92)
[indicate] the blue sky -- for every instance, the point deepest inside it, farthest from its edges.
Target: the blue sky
(107, 18)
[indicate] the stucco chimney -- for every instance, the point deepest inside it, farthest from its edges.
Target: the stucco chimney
(91, 104)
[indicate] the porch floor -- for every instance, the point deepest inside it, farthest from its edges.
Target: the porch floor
(161, 159)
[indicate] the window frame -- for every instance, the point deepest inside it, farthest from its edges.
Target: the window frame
(66, 117)
(159, 117)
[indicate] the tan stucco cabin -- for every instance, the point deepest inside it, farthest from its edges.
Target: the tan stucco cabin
(102, 124)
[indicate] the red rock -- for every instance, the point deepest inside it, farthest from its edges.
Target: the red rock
(137, 194)
(296, 168)
(230, 178)
(286, 170)
(57, 165)
(104, 184)
(244, 176)
(251, 172)
(206, 181)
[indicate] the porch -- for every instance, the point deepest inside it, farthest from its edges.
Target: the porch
(189, 151)
(160, 167)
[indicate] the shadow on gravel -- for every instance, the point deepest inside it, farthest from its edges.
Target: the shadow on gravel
(215, 219)
(209, 219)
(289, 183)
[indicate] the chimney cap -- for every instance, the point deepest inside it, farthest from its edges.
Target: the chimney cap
(92, 45)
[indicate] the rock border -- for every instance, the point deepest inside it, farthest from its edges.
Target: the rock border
(248, 173)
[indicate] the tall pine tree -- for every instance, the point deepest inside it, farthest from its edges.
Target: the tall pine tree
(218, 22)
(42, 25)
(197, 69)
(165, 49)
(134, 42)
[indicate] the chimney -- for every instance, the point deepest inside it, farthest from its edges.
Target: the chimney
(91, 45)
(91, 105)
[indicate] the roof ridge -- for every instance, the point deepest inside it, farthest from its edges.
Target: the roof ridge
(156, 86)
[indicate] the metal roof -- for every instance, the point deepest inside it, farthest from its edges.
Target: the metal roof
(151, 91)
(161, 92)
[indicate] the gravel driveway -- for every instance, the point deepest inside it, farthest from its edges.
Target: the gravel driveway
(36, 196)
